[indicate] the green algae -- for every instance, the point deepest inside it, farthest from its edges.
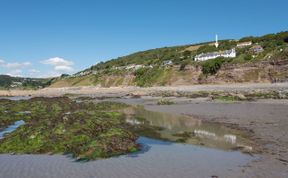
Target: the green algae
(90, 130)
(61, 125)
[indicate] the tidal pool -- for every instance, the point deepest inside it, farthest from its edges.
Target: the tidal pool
(186, 129)
(189, 130)
(11, 128)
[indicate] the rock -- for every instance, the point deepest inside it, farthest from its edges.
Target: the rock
(138, 93)
(282, 95)
(241, 96)
(65, 118)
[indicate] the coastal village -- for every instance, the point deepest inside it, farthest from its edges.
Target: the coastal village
(254, 49)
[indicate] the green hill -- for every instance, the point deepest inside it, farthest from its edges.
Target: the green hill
(265, 60)
(8, 82)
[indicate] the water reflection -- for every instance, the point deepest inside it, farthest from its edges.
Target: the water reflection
(187, 129)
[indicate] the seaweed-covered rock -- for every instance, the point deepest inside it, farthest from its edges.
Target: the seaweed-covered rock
(60, 125)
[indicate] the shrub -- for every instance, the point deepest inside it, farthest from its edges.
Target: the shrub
(247, 57)
(148, 76)
(211, 67)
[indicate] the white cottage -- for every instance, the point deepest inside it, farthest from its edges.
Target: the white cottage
(213, 55)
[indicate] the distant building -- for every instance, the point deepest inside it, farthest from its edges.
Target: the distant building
(134, 66)
(167, 63)
(244, 44)
(94, 72)
(256, 49)
(119, 67)
(81, 74)
(213, 55)
(16, 84)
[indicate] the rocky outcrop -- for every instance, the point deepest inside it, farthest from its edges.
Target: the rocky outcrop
(260, 72)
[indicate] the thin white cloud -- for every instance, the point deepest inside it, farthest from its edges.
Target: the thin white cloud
(63, 68)
(50, 74)
(14, 65)
(14, 68)
(2, 62)
(34, 71)
(60, 65)
(15, 73)
(57, 61)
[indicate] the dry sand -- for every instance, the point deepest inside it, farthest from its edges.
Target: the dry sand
(121, 91)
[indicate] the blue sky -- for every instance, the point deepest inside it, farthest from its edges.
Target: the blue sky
(46, 38)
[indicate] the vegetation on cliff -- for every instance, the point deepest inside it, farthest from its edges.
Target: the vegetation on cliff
(151, 69)
(182, 54)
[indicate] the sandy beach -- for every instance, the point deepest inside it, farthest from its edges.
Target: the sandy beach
(122, 91)
(266, 120)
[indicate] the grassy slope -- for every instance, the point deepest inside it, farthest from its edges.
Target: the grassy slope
(182, 56)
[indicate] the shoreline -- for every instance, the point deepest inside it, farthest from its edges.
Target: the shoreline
(132, 90)
(266, 119)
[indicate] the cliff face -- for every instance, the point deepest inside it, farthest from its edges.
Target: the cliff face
(264, 59)
(259, 72)
(265, 71)
(268, 71)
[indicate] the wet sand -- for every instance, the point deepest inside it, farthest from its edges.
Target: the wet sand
(161, 160)
(267, 120)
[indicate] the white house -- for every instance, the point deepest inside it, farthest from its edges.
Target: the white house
(256, 49)
(119, 67)
(84, 73)
(228, 53)
(167, 63)
(134, 66)
(244, 44)
(213, 55)
(16, 84)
